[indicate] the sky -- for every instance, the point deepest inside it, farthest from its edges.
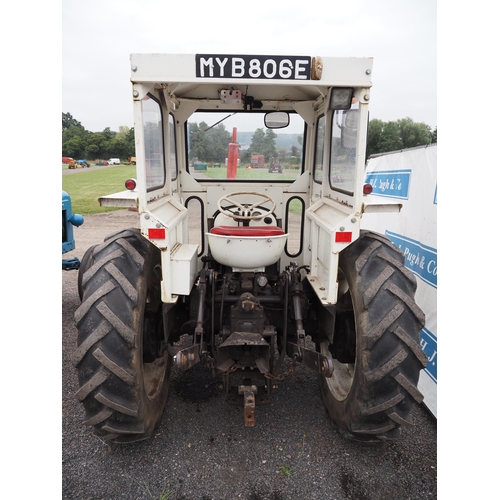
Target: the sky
(99, 36)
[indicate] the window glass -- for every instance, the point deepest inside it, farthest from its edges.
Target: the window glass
(196, 230)
(173, 149)
(318, 153)
(294, 223)
(343, 149)
(153, 143)
(237, 145)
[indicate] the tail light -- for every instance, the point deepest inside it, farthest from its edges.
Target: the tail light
(130, 184)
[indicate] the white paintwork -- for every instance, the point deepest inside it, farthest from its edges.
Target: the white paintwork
(171, 79)
(247, 253)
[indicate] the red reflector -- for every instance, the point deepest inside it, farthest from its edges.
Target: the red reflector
(130, 184)
(156, 233)
(367, 189)
(343, 237)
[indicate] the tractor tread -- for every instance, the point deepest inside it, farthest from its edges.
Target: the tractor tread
(96, 380)
(99, 333)
(114, 405)
(388, 367)
(409, 302)
(400, 267)
(89, 302)
(118, 430)
(113, 367)
(376, 285)
(99, 417)
(384, 406)
(379, 329)
(399, 419)
(409, 387)
(412, 345)
(375, 430)
(109, 357)
(123, 330)
(91, 271)
(387, 325)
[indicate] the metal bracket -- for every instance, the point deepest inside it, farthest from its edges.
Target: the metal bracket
(188, 357)
(311, 359)
(70, 264)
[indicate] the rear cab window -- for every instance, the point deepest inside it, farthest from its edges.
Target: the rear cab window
(262, 154)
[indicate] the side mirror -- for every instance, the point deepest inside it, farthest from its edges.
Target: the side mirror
(349, 130)
(277, 119)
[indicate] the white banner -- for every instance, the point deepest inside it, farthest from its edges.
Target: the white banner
(410, 176)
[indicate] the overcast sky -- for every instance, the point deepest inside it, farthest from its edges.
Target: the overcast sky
(98, 37)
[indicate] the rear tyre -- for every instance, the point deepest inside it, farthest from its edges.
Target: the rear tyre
(376, 351)
(85, 263)
(123, 377)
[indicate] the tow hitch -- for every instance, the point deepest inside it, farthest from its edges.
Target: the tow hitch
(248, 392)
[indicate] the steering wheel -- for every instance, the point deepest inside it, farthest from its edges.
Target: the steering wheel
(246, 210)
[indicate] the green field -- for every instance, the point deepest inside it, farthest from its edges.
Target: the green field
(256, 174)
(87, 185)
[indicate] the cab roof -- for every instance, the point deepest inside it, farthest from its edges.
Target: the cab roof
(264, 77)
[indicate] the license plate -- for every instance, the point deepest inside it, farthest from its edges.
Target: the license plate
(253, 67)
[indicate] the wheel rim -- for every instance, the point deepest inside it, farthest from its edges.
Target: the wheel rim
(340, 383)
(153, 372)
(154, 375)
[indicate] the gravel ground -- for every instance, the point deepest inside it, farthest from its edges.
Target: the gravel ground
(202, 450)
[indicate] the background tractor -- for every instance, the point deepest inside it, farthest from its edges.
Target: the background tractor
(247, 271)
(275, 165)
(69, 219)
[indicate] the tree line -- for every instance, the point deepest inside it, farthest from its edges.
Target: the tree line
(210, 144)
(79, 143)
(383, 137)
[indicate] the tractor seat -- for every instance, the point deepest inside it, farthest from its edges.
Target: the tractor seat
(247, 231)
(247, 248)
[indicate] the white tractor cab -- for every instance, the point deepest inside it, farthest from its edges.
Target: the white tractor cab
(242, 266)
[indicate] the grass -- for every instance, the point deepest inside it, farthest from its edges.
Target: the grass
(164, 495)
(85, 187)
(286, 470)
(257, 174)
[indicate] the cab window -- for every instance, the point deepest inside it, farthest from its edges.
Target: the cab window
(319, 148)
(238, 146)
(173, 148)
(153, 142)
(343, 149)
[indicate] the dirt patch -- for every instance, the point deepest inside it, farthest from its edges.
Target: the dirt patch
(97, 226)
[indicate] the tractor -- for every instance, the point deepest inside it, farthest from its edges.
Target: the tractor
(275, 165)
(69, 219)
(245, 272)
